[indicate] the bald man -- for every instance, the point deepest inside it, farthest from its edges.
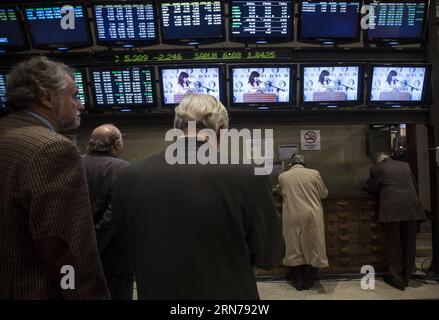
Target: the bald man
(102, 164)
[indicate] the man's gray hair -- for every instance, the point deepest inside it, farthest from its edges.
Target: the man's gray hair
(298, 158)
(28, 80)
(380, 157)
(104, 144)
(205, 109)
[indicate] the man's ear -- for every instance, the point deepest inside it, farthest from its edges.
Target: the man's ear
(118, 143)
(46, 99)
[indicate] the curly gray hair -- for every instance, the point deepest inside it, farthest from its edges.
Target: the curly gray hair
(28, 80)
(205, 109)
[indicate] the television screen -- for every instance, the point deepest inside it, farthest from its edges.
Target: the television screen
(321, 21)
(52, 26)
(3, 78)
(123, 87)
(12, 37)
(325, 84)
(261, 21)
(262, 85)
(125, 24)
(192, 21)
(393, 83)
(80, 84)
(398, 21)
(176, 82)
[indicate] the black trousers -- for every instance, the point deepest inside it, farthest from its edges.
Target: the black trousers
(120, 278)
(401, 250)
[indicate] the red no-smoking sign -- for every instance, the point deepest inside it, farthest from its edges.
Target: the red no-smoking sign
(310, 139)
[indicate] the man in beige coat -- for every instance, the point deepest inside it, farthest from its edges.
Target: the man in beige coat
(303, 225)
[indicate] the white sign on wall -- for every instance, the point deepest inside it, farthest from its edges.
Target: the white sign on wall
(310, 139)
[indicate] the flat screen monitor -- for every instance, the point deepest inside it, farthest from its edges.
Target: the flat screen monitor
(80, 81)
(125, 23)
(331, 84)
(123, 88)
(329, 21)
(52, 26)
(398, 22)
(398, 84)
(178, 81)
(193, 22)
(262, 86)
(261, 21)
(3, 78)
(12, 37)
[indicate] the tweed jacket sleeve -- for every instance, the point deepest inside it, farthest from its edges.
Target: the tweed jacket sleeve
(60, 221)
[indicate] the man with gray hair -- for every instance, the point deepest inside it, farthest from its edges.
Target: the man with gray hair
(102, 164)
(48, 248)
(399, 212)
(194, 231)
(303, 225)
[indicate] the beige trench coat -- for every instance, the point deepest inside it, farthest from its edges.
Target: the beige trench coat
(302, 213)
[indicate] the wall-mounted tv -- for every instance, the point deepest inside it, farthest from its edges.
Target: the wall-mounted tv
(127, 24)
(12, 36)
(178, 81)
(331, 84)
(57, 26)
(123, 88)
(262, 86)
(261, 21)
(398, 22)
(329, 21)
(398, 84)
(192, 22)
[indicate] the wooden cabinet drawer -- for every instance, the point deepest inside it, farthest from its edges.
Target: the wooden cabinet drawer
(340, 204)
(343, 215)
(370, 227)
(343, 227)
(354, 250)
(368, 215)
(368, 203)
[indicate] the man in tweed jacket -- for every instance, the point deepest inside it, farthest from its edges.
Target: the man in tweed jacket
(45, 215)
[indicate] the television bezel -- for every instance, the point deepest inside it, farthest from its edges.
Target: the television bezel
(21, 26)
(425, 88)
(121, 43)
(325, 104)
(266, 39)
(221, 76)
(193, 40)
(320, 40)
(384, 41)
(265, 105)
(55, 46)
(115, 106)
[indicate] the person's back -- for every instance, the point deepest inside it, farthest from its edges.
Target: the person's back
(303, 223)
(101, 170)
(302, 187)
(194, 231)
(189, 229)
(47, 245)
(396, 185)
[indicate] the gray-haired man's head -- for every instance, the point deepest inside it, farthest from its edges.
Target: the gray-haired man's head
(298, 158)
(380, 157)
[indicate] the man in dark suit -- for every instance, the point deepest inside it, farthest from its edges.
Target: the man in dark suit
(46, 227)
(102, 164)
(194, 231)
(399, 212)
